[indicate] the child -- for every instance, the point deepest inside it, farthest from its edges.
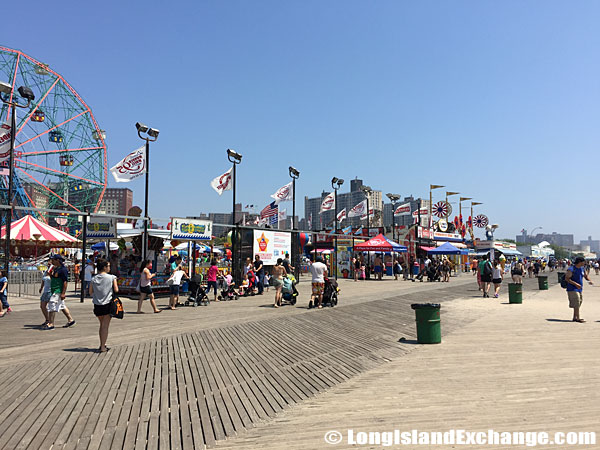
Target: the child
(245, 285)
(267, 281)
(5, 309)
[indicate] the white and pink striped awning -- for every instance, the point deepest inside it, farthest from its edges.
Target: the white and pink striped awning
(28, 228)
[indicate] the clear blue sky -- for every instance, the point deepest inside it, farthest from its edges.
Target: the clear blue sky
(497, 100)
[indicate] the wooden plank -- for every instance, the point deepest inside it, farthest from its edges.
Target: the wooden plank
(187, 440)
(196, 373)
(173, 398)
(144, 411)
(153, 428)
(164, 433)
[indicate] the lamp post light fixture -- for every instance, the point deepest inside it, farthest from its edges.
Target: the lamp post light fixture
(394, 199)
(7, 97)
(367, 190)
(235, 158)
(149, 135)
(336, 183)
(295, 174)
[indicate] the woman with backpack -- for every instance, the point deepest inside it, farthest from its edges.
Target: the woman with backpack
(485, 269)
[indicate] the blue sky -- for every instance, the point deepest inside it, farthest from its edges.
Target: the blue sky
(497, 100)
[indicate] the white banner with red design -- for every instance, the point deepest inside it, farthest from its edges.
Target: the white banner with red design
(223, 182)
(402, 210)
(284, 194)
(359, 210)
(130, 167)
(328, 203)
(5, 136)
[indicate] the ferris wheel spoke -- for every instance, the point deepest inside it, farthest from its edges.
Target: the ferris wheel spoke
(33, 110)
(50, 191)
(13, 86)
(53, 128)
(48, 169)
(47, 152)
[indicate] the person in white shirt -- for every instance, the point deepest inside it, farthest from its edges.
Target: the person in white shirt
(497, 277)
(176, 278)
(319, 272)
(88, 274)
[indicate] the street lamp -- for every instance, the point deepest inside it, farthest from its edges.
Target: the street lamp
(336, 183)
(235, 158)
(536, 228)
(149, 135)
(295, 174)
(367, 190)
(6, 95)
(393, 198)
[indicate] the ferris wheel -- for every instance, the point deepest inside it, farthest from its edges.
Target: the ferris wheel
(60, 152)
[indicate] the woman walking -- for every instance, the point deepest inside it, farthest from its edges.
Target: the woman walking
(102, 288)
(211, 277)
(517, 272)
(497, 277)
(278, 274)
(5, 309)
(145, 288)
(45, 296)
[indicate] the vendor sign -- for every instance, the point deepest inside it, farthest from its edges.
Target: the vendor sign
(190, 229)
(270, 245)
(101, 227)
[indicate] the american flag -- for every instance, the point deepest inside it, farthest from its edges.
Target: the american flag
(270, 211)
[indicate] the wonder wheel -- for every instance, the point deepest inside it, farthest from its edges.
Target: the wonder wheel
(60, 153)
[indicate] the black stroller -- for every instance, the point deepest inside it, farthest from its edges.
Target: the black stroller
(198, 295)
(229, 292)
(330, 294)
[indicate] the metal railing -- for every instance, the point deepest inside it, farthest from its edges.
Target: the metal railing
(24, 283)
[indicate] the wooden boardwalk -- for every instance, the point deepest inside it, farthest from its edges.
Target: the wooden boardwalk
(193, 389)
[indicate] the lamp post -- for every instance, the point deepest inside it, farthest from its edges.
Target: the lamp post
(367, 190)
(536, 228)
(149, 135)
(393, 198)
(295, 174)
(6, 95)
(235, 158)
(336, 183)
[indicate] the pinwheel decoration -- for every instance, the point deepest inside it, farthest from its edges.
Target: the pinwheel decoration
(480, 221)
(442, 209)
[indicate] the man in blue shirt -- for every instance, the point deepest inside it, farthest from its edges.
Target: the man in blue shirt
(574, 278)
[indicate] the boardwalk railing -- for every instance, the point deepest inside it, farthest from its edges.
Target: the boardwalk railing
(24, 283)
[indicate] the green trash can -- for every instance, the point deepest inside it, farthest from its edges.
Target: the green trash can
(543, 282)
(515, 293)
(429, 330)
(561, 275)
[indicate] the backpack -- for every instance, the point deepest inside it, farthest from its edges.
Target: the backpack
(563, 280)
(487, 268)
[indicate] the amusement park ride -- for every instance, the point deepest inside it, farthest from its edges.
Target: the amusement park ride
(60, 151)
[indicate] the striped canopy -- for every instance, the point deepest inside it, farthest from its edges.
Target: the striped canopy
(24, 230)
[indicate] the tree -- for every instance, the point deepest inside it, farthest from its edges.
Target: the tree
(559, 252)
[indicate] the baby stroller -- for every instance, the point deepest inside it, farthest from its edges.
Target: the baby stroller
(228, 292)
(249, 290)
(198, 295)
(433, 273)
(288, 290)
(330, 294)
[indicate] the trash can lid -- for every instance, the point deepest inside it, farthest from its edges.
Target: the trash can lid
(425, 306)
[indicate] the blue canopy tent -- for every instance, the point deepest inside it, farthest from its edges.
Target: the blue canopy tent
(445, 249)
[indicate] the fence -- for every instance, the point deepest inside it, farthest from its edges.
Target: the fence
(24, 283)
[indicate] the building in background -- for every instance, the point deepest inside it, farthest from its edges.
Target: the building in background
(593, 244)
(406, 220)
(346, 200)
(117, 201)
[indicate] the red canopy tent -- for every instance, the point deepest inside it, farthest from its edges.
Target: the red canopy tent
(379, 244)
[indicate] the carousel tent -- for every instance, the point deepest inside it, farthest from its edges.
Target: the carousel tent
(445, 249)
(379, 244)
(28, 228)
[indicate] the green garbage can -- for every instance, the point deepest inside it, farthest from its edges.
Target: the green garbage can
(429, 330)
(543, 282)
(515, 293)
(561, 275)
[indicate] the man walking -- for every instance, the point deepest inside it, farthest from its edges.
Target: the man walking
(59, 280)
(485, 271)
(318, 271)
(574, 278)
(259, 270)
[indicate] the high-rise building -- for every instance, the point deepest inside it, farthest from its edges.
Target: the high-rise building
(594, 244)
(346, 200)
(406, 220)
(117, 201)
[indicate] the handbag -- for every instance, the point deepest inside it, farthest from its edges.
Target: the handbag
(116, 307)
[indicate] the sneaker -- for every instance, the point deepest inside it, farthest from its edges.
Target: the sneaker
(495, 295)
(46, 328)
(70, 324)
(9, 310)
